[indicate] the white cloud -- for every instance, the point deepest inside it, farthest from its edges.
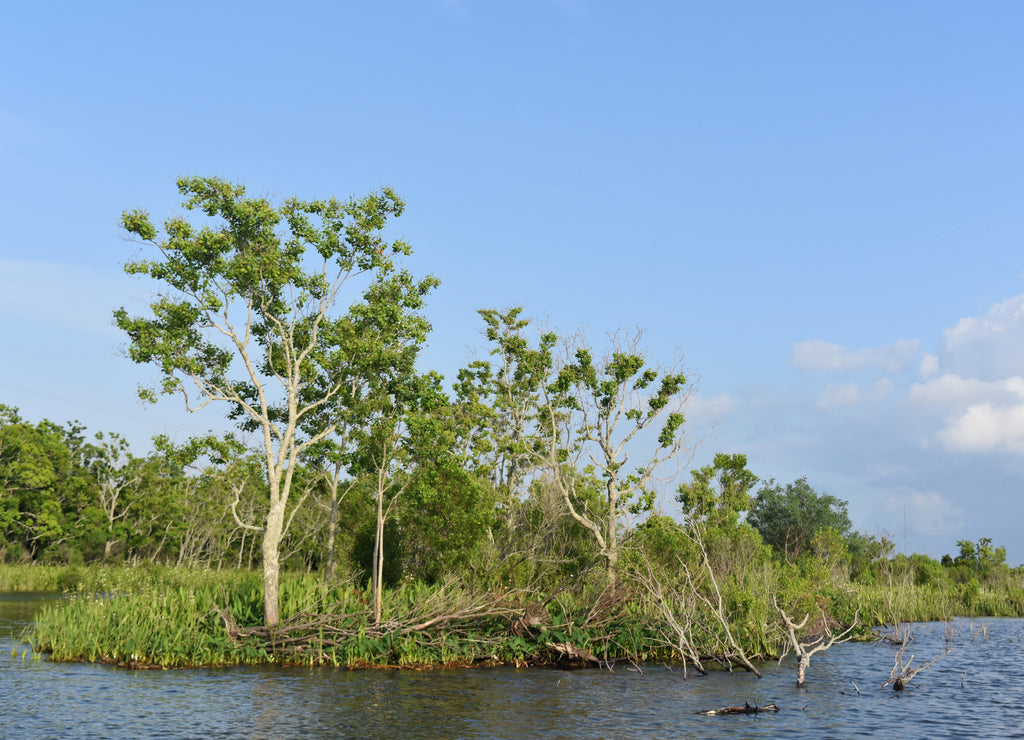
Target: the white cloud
(978, 415)
(926, 512)
(951, 390)
(812, 354)
(847, 395)
(1003, 318)
(986, 428)
(989, 347)
(929, 365)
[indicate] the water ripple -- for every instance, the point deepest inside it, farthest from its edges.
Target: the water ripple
(975, 691)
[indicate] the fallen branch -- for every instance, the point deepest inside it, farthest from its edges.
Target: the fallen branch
(903, 671)
(320, 630)
(745, 709)
(569, 652)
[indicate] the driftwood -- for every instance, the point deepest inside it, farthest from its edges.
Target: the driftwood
(319, 629)
(564, 651)
(745, 709)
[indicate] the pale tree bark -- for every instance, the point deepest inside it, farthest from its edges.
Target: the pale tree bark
(116, 473)
(715, 604)
(676, 608)
(389, 480)
(903, 669)
(805, 650)
(595, 416)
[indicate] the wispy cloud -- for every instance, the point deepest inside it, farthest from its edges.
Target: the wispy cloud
(816, 355)
(847, 395)
(1002, 319)
(710, 410)
(929, 365)
(950, 391)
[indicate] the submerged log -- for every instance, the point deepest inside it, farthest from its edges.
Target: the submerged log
(745, 709)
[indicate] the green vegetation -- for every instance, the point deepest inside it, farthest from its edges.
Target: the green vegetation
(381, 519)
(171, 617)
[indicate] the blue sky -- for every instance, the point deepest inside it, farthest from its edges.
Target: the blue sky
(818, 204)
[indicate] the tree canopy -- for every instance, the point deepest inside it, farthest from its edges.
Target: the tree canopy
(788, 517)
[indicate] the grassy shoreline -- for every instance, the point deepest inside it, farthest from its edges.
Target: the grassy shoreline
(159, 617)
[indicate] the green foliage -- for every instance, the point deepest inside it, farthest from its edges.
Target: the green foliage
(981, 559)
(719, 492)
(597, 412)
(42, 485)
(252, 316)
(788, 517)
(499, 403)
(444, 518)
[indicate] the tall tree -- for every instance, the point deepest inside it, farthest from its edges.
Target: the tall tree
(500, 401)
(381, 341)
(254, 294)
(596, 418)
(40, 499)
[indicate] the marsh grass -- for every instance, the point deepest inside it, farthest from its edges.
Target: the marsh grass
(154, 616)
(171, 618)
(31, 577)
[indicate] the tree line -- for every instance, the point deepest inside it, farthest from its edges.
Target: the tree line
(540, 466)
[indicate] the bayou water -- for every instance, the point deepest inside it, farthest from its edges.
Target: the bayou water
(976, 691)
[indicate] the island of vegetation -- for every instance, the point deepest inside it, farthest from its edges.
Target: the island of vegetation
(366, 514)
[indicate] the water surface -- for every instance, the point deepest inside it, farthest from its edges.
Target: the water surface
(976, 691)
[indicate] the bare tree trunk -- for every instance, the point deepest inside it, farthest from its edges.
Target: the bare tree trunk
(271, 563)
(332, 527)
(716, 605)
(378, 555)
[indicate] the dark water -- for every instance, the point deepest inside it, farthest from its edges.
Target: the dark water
(977, 691)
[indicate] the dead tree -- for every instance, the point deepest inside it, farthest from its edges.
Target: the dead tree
(903, 670)
(715, 606)
(676, 608)
(804, 650)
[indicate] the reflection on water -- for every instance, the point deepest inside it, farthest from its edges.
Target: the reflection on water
(976, 691)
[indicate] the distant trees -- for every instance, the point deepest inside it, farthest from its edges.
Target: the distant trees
(788, 517)
(40, 483)
(980, 559)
